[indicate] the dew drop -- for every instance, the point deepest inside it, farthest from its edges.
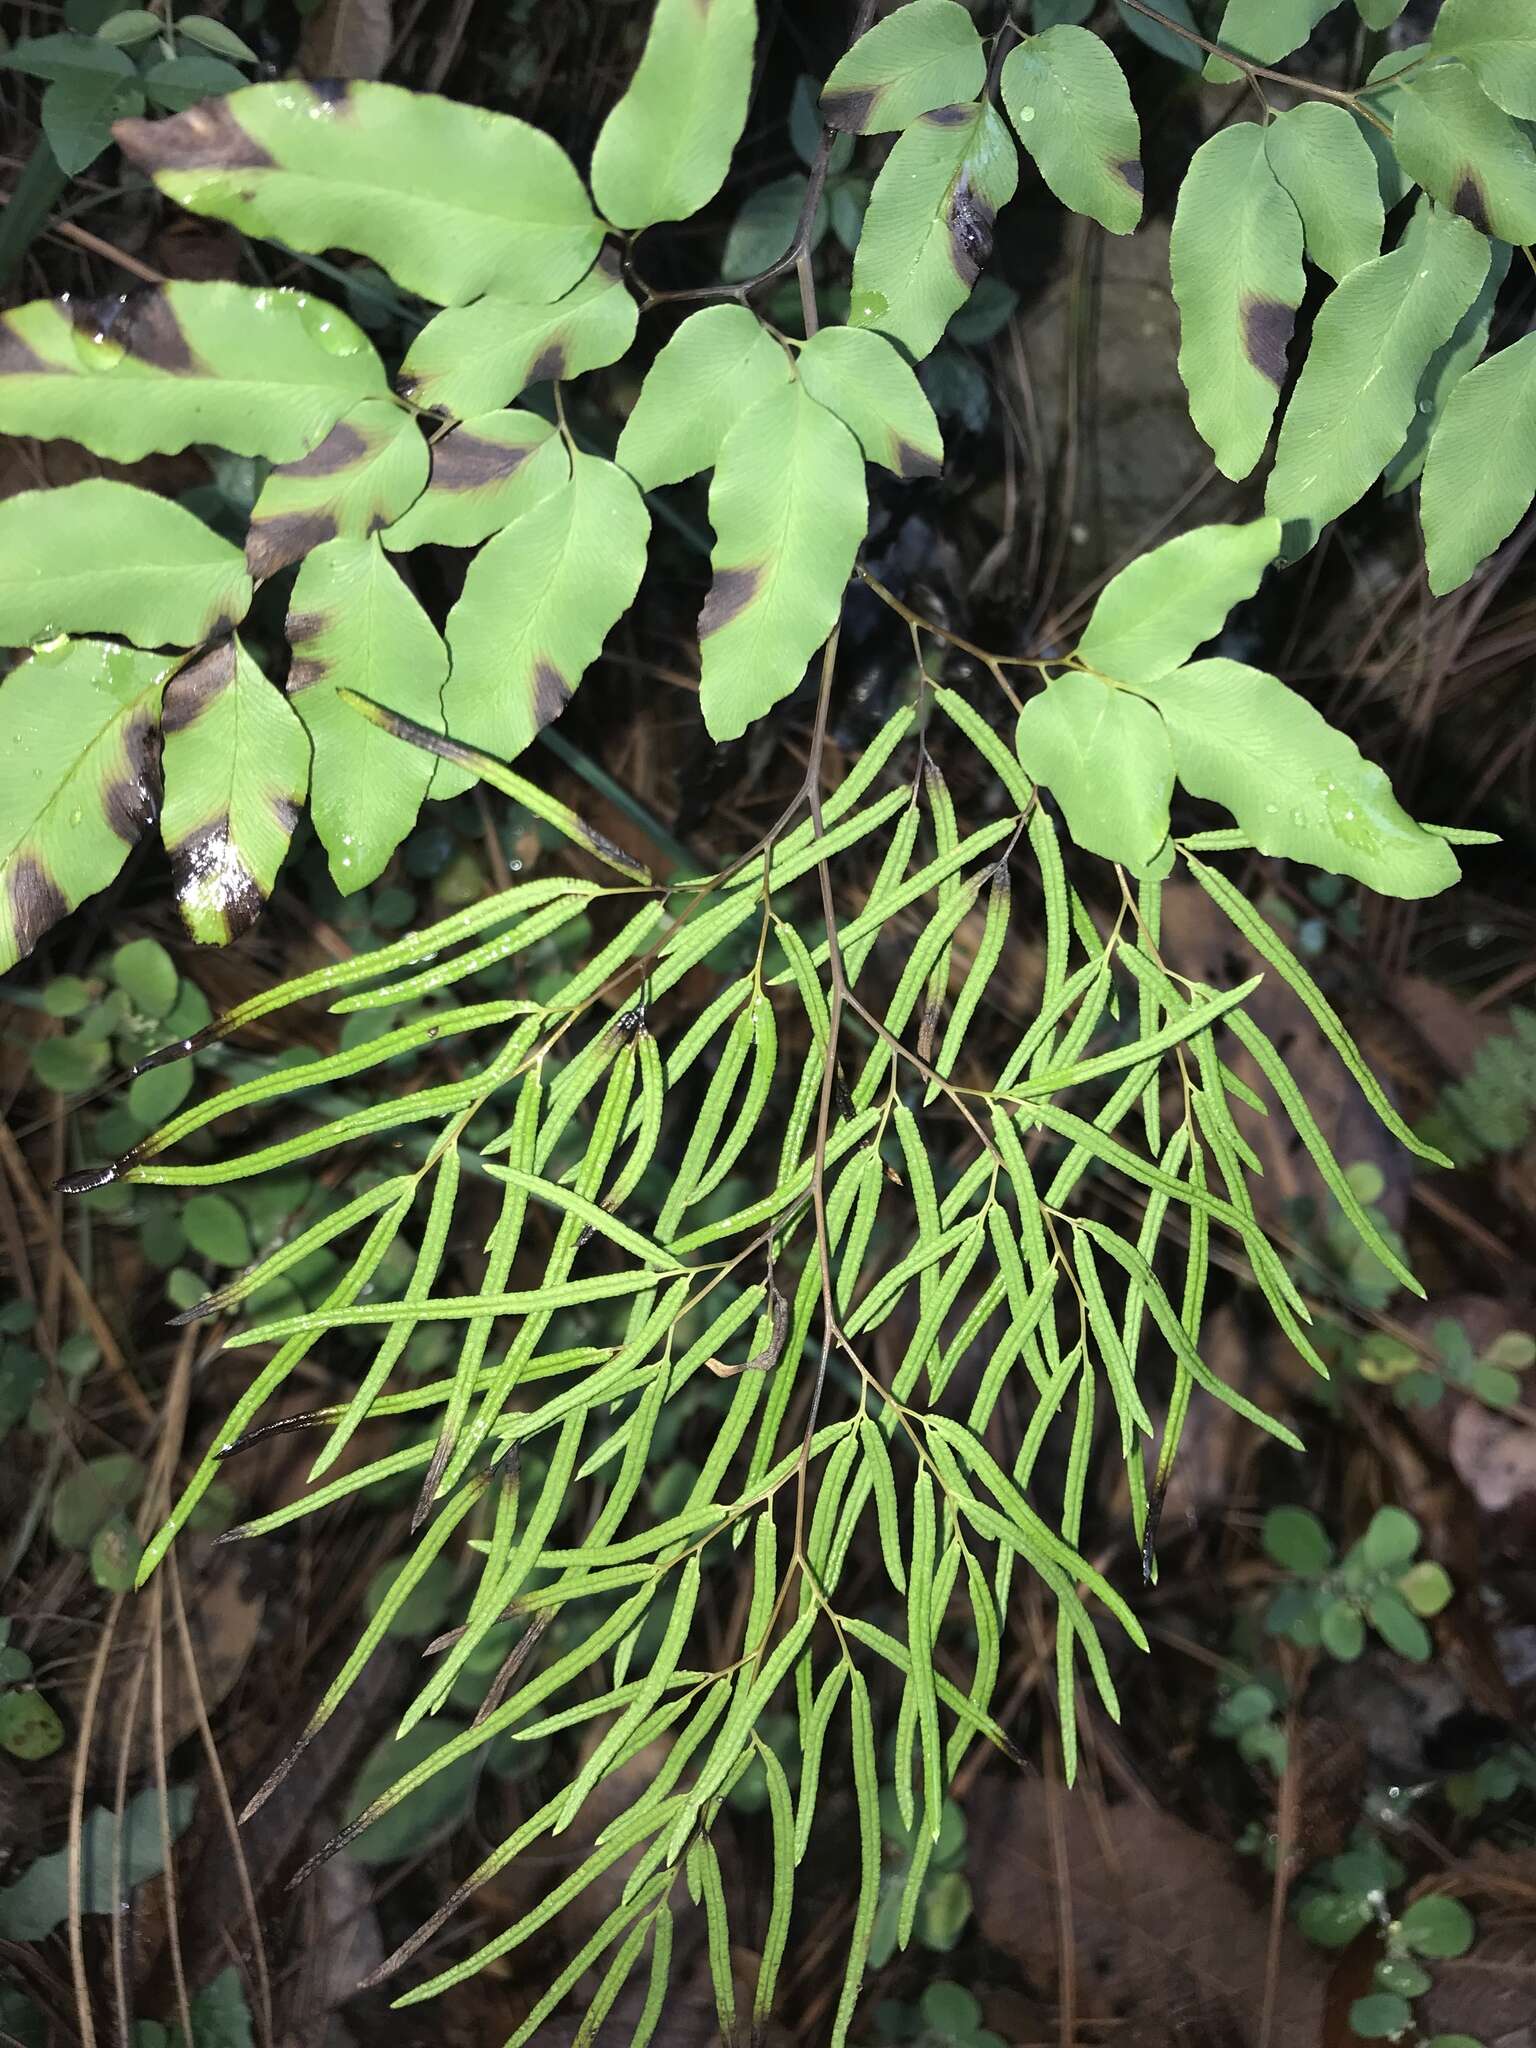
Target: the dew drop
(96, 347)
(323, 324)
(866, 308)
(1026, 113)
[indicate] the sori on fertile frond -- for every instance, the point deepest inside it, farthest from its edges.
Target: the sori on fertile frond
(885, 1251)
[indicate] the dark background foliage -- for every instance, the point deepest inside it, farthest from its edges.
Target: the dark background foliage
(1139, 1907)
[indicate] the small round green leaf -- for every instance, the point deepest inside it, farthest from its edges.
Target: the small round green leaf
(1437, 1926)
(115, 1553)
(132, 26)
(1295, 1538)
(147, 974)
(950, 2009)
(216, 1230)
(1514, 1351)
(1380, 2016)
(88, 1499)
(1426, 1587)
(29, 1728)
(184, 1288)
(1293, 1612)
(154, 1096)
(22, 1374)
(79, 1355)
(1495, 1387)
(1264, 1743)
(1366, 1868)
(944, 1911)
(1400, 1628)
(1407, 1979)
(1392, 1538)
(70, 1065)
(67, 995)
(1332, 1919)
(1418, 1390)
(1249, 1704)
(1342, 1631)
(422, 1816)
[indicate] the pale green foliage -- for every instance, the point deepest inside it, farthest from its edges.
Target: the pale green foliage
(1235, 259)
(271, 372)
(1295, 785)
(690, 1291)
(613, 1275)
(488, 217)
(367, 470)
(788, 507)
(1322, 158)
(1451, 139)
(716, 366)
(664, 150)
(1071, 108)
(537, 604)
(861, 377)
(1496, 40)
(928, 228)
(1264, 30)
(77, 721)
(483, 476)
(113, 559)
(353, 624)
(471, 359)
(1069, 733)
(1372, 342)
(1154, 614)
(450, 200)
(1448, 365)
(924, 55)
(1471, 503)
(236, 766)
